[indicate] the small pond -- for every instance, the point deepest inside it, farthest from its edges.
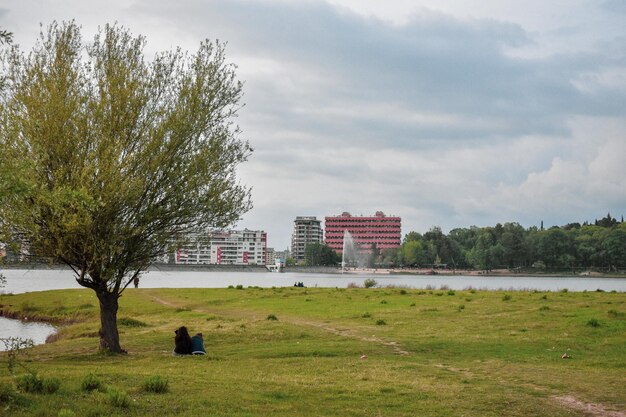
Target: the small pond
(38, 332)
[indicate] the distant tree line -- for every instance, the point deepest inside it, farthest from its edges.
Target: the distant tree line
(509, 245)
(601, 245)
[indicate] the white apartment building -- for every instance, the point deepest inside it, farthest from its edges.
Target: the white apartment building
(306, 229)
(228, 247)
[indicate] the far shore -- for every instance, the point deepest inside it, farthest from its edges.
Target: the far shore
(350, 270)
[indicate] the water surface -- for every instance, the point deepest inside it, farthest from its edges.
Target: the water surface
(37, 332)
(20, 280)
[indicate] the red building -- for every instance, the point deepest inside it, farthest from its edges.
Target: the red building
(379, 229)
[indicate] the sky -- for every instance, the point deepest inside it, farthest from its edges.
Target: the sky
(448, 113)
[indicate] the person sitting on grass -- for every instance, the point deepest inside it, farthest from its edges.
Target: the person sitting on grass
(197, 345)
(182, 342)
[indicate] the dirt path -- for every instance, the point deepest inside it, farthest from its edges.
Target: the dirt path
(395, 346)
(592, 409)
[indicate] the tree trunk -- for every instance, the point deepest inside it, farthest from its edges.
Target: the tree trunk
(109, 336)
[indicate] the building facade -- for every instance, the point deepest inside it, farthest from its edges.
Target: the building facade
(232, 247)
(380, 230)
(306, 230)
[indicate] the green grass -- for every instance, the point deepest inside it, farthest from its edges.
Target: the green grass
(468, 353)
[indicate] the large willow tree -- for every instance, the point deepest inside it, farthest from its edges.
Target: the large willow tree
(106, 157)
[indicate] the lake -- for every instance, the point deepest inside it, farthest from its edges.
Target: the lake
(22, 280)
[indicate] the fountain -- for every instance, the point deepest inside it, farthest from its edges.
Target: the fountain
(351, 255)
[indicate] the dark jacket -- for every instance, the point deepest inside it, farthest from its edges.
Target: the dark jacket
(197, 344)
(182, 342)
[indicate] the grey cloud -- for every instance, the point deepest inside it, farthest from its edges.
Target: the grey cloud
(432, 63)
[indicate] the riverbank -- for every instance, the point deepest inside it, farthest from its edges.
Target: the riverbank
(318, 352)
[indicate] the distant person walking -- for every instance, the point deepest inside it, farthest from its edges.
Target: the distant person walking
(136, 282)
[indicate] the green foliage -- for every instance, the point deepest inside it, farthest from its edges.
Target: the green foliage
(7, 393)
(593, 323)
(130, 322)
(108, 158)
(30, 383)
(381, 322)
(156, 384)
(370, 283)
(15, 346)
(50, 385)
(320, 254)
(506, 297)
(91, 383)
(271, 317)
(512, 246)
(118, 398)
(451, 292)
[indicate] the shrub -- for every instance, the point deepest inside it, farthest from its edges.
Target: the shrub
(29, 383)
(461, 307)
(231, 287)
(272, 317)
(366, 315)
(544, 297)
(381, 322)
(402, 292)
(439, 294)
(7, 393)
(90, 383)
(370, 282)
(155, 384)
(564, 290)
(593, 323)
(473, 291)
(118, 398)
(239, 287)
(506, 297)
(28, 307)
(450, 292)
(127, 321)
(353, 285)
(50, 385)
(412, 305)
(383, 301)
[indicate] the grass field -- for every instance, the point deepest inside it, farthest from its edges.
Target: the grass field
(331, 352)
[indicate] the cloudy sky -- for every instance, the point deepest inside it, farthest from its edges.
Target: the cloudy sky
(445, 113)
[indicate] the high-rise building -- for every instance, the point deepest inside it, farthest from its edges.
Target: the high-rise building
(232, 247)
(306, 230)
(270, 258)
(383, 231)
